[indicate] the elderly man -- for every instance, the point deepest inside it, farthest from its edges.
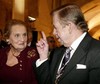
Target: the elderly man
(78, 62)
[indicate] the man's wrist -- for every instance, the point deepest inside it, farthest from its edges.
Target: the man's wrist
(39, 62)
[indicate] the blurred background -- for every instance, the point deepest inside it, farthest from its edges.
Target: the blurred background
(37, 14)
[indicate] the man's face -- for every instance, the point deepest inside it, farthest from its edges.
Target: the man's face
(61, 33)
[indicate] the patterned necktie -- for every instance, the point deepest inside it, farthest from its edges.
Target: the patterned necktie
(64, 63)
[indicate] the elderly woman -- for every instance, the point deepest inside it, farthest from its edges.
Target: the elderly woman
(17, 59)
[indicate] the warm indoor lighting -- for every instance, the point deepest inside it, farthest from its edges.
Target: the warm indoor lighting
(18, 9)
(31, 18)
(91, 12)
(95, 21)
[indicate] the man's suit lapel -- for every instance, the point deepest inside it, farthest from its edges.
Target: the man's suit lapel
(77, 56)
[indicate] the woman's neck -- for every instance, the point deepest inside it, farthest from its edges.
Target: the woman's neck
(15, 52)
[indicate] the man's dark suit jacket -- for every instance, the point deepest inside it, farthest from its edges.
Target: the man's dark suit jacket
(83, 67)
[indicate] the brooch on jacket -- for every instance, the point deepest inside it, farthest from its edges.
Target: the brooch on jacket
(31, 53)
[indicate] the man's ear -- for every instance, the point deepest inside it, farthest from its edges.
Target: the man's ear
(69, 26)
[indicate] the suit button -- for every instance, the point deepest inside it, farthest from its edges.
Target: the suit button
(20, 61)
(20, 81)
(20, 65)
(20, 68)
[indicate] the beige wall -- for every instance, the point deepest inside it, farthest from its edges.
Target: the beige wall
(43, 19)
(18, 9)
(43, 22)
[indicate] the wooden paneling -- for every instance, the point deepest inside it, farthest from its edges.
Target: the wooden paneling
(31, 8)
(5, 12)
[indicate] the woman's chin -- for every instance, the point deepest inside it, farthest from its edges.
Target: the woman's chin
(21, 49)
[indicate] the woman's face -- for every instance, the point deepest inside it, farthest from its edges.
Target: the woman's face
(18, 37)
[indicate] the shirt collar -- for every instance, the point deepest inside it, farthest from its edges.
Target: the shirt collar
(77, 41)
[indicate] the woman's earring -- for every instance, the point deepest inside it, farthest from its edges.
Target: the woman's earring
(8, 41)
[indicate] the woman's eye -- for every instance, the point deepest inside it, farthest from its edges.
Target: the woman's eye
(17, 35)
(25, 34)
